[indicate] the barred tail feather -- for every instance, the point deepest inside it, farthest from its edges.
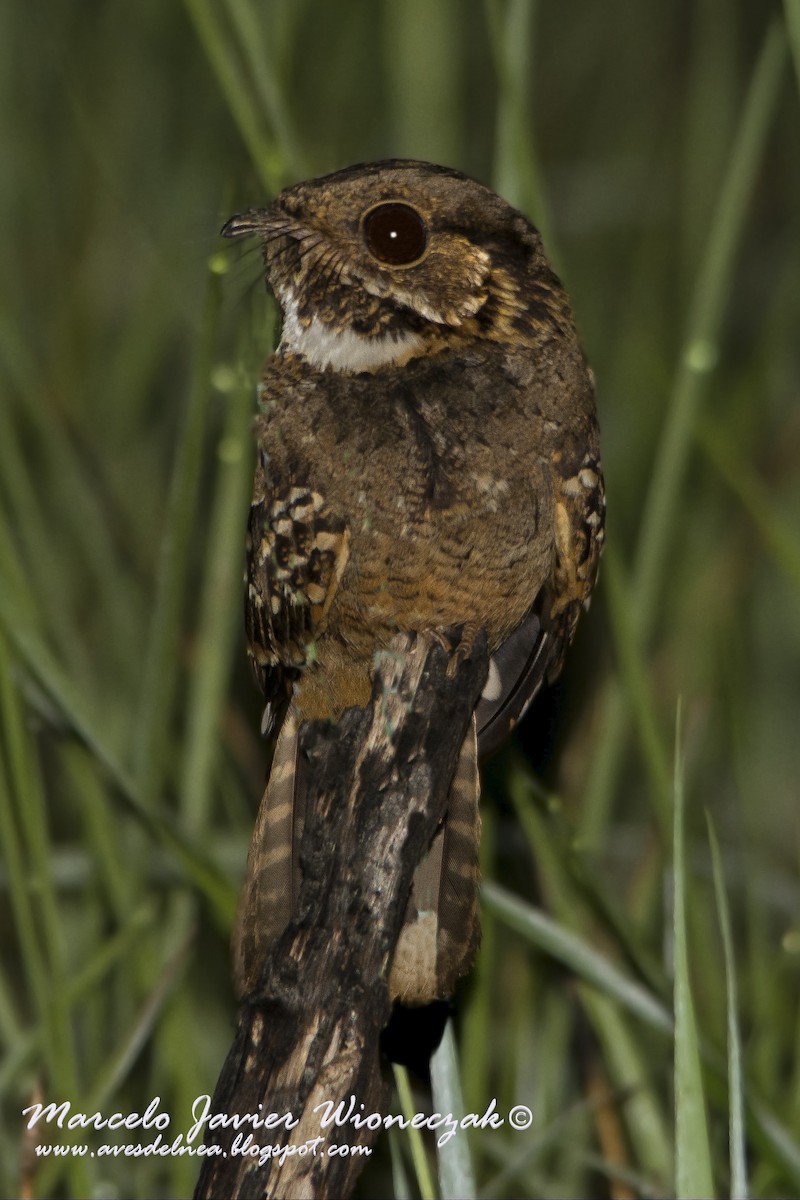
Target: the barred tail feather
(459, 928)
(272, 874)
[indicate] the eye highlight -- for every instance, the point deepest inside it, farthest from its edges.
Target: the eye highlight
(395, 234)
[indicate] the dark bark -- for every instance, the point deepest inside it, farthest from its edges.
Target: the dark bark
(377, 783)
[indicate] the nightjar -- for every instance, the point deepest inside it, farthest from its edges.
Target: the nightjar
(428, 458)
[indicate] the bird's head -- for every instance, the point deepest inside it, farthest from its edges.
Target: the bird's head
(383, 261)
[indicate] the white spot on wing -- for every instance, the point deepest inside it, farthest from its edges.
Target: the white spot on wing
(494, 684)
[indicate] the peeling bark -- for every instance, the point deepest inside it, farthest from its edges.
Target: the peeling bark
(378, 781)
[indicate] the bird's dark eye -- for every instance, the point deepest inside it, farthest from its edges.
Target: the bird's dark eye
(395, 234)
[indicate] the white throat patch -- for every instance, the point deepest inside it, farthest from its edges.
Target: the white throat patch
(343, 350)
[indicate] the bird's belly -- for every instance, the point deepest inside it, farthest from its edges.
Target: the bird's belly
(480, 569)
(481, 566)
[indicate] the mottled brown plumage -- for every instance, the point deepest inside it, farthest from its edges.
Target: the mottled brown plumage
(428, 459)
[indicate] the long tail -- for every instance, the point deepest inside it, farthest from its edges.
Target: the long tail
(272, 875)
(441, 928)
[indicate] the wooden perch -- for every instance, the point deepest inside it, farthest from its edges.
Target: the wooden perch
(378, 781)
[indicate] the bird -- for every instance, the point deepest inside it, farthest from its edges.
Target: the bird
(427, 459)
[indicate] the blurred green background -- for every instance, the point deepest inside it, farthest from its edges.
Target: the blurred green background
(657, 146)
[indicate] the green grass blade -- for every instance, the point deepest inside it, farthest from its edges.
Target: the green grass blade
(776, 528)
(631, 1071)
(26, 841)
(425, 1183)
(93, 974)
(515, 172)
(255, 50)
(424, 74)
(456, 1176)
(633, 670)
(401, 1188)
(693, 1175)
(791, 10)
(31, 958)
(784, 1144)
(736, 1122)
(704, 326)
(698, 356)
(220, 610)
(154, 726)
(576, 954)
(101, 827)
(267, 160)
(197, 865)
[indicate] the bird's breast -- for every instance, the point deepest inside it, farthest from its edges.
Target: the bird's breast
(443, 486)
